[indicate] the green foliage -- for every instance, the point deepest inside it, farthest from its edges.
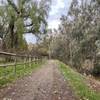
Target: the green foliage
(96, 70)
(78, 84)
(7, 74)
(20, 30)
(60, 50)
(80, 27)
(27, 16)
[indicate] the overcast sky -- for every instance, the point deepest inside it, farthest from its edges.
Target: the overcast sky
(58, 8)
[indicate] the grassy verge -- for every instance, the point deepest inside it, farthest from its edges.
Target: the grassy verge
(7, 75)
(77, 81)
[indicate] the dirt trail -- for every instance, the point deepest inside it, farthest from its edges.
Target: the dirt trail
(46, 83)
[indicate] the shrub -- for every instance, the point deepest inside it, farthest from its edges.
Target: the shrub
(96, 70)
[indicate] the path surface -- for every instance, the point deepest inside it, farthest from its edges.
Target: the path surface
(46, 83)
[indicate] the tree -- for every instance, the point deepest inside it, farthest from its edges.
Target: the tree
(81, 28)
(20, 17)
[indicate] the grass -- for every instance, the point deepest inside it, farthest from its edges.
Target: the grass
(77, 81)
(7, 75)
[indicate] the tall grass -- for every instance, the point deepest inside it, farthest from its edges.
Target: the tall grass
(77, 81)
(7, 75)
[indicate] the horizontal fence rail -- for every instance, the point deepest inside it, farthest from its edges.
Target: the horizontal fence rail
(17, 59)
(13, 54)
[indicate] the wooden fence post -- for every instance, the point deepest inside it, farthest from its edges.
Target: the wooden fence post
(24, 62)
(35, 60)
(5, 72)
(29, 60)
(15, 65)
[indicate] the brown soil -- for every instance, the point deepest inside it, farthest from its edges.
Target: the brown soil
(93, 84)
(46, 83)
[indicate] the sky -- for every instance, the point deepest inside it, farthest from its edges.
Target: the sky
(30, 38)
(58, 8)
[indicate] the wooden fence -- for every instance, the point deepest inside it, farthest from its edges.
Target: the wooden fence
(17, 59)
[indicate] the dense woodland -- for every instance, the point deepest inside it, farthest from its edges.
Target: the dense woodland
(76, 42)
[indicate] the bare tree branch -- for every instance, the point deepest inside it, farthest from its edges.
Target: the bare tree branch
(14, 6)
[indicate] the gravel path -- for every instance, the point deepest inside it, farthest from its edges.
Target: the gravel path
(46, 83)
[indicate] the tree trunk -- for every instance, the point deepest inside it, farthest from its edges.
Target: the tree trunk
(11, 30)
